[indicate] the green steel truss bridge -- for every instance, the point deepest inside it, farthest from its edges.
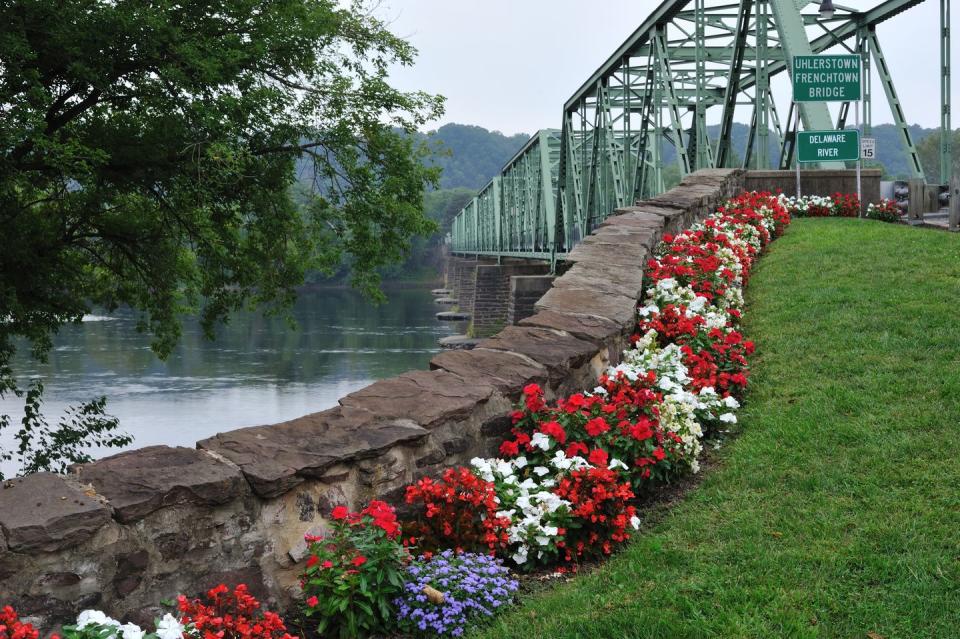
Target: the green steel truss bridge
(688, 58)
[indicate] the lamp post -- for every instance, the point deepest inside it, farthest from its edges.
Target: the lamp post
(826, 9)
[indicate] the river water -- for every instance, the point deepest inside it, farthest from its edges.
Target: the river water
(257, 371)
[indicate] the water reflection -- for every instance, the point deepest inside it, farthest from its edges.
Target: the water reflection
(257, 371)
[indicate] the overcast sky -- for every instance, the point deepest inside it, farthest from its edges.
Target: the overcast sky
(509, 65)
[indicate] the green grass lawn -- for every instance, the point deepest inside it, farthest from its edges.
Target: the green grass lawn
(836, 511)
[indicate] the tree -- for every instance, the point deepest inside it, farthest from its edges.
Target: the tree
(929, 151)
(147, 155)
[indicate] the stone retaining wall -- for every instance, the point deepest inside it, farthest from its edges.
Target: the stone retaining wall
(817, 182)
(125, 532)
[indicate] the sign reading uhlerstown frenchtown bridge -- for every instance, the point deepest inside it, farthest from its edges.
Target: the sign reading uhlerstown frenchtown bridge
(828, 146)
(826, 78)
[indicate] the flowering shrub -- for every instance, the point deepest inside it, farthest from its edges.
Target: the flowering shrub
(846, 205)
(837, 205)
(467, 588)
(536, 517)
(808, 205)
(600, 512)
(353, 575)
(885, 211)
(226, 614)
(459, 511)
(12, 628)
(94, 624)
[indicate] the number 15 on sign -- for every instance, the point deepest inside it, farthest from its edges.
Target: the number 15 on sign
(868, 148)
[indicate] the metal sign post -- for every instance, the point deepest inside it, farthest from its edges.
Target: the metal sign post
(856, 110)
(796, 129)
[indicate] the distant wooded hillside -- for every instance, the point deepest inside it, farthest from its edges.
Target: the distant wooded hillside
(470, 155)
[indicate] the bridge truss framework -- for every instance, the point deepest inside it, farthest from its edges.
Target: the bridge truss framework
(650, 99)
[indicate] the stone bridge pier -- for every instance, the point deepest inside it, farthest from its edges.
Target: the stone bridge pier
(497, 293)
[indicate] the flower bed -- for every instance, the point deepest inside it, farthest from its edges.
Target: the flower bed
(839, 205)
(885, 211)
(562, 491)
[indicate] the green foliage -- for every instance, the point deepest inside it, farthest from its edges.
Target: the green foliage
(354, 573)
(929, 151)
(147, 153)
(40, 447)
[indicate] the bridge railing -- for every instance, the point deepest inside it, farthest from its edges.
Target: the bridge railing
(515, 214)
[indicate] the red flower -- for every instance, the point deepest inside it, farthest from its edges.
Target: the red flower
(555, 430)
(340, 512)
(312, 561)
(597, 426)
(312, 601)
(359, 560)
(599, 458)
(458, 510)
(658, 453)
(233, 615)
(576, 448)
(509, 449)
(326, 564)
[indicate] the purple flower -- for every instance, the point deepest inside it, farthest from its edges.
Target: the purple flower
(474, 587)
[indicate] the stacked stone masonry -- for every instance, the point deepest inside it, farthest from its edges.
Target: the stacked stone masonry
(492, 293)
(525, 292)
(126, 532)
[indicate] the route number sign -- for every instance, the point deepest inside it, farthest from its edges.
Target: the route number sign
(826, 78)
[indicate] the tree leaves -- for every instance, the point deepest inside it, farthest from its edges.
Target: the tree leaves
(147, 155)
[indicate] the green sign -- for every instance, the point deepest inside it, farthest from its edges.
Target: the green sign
(828, 146)
(826, 78)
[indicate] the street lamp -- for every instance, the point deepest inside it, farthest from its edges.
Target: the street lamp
(826, 9)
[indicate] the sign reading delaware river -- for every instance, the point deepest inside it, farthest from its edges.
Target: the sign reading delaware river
(824, 146)
(826, 78)
(257, 371)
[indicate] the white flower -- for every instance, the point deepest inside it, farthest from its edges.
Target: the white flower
(616, 463)
(95, 617)
(521, 555)
(520, 462)
(541, 441)
(131, 631)
(731, 402)
(169, 627)
(560, 461)
(541, 471)
(599, 390)
(635, 522)
(503, 467)
(728, 418)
